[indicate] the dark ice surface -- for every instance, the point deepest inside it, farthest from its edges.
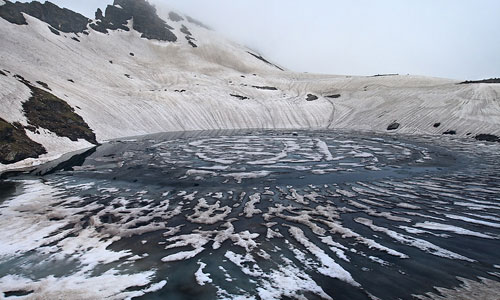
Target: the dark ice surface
(254, 215)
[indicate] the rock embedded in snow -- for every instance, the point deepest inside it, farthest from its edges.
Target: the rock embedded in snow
(63, 19)
(46, 110)
(491, 80)
(144, 16)
(487, 137)
(16, 145)
(393, 126)
(175, 17)
(311, 97)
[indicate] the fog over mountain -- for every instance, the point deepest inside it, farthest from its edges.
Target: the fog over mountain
(451, 39)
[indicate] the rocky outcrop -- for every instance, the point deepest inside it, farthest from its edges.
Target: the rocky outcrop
(311, 97)
(450, 132)
(268, 88)
(15, 145)
(175, 17)
(61, 19)
(264, 60)
(487, 138)
(144, 17)
(239, 97)
(491, 80)
(47, 111)
(393, 126)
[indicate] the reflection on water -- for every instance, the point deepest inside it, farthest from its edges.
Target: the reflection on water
(255, 215)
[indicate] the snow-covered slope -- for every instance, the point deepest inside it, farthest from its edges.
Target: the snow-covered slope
(124, 85)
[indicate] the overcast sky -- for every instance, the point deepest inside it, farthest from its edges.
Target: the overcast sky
(445, 38)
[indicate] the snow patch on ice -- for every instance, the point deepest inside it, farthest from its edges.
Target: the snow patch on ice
(202, 278)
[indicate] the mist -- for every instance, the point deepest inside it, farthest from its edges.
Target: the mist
(454, 39)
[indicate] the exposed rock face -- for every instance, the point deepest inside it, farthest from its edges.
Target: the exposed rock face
(185, 30)
(61, 19)
(189, 36)
(335, 96)
(175, 17)
(268, 88)
(264, 60)
(450, 132)
(45, 110)
(393, 126)
(143, 14)
(15, 145)
(488, 138)
(491, 80)
(239, 97)
(311, 97)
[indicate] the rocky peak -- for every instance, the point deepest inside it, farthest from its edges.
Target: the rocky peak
(61, 19)
(144, 16)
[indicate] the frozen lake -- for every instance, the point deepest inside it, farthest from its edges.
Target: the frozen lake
(256, 215)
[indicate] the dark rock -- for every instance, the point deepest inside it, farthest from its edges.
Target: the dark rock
(491, 80)
(30, 128)
(44, 85)
(75, 39)
(487, 137)
(196, 22)
(311, 97)
(54, 31)
(132, 54)
(175, 17)
(111, 62)
(269, 88)
(264, 60)
(450, 132)
(239, 97)
(185, 30)
(333, 96)
(98, 14)
(436, 125)
(146, 20)
(21, 79)
(61, 19)
(46, 110)
(393, 126)
(18, 293)
(385, 75)
(2, 73)
(179, 91)
(15, 145)
(71, 80)
(193, 44)
(128, 76)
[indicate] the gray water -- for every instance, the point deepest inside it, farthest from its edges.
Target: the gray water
(254, 215)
